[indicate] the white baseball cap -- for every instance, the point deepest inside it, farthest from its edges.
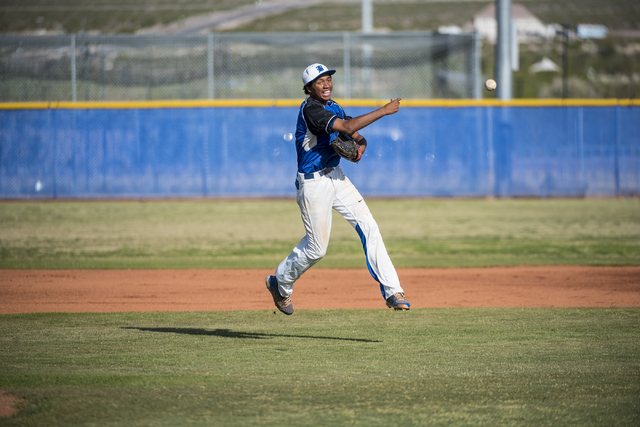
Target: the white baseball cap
(314, 71)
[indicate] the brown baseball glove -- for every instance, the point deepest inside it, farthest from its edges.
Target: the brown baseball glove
(346, 147)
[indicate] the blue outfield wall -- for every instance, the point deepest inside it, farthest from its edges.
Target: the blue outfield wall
(464, 150)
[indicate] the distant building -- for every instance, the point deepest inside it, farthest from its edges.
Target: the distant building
(546, 65)
(592, 31)
(449, 29)
(527, 24)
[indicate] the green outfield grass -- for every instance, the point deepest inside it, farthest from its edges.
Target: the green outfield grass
(448, 367)
(260, 233)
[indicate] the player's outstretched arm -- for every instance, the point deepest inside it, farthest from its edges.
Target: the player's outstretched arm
(355, 124)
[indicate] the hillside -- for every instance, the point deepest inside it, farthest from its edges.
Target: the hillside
(120, 16)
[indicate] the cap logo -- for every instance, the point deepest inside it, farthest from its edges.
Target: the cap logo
(313, 71)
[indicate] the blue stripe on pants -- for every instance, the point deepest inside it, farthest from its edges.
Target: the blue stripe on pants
(363, 239)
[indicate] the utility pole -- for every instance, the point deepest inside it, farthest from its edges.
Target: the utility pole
(503, 133)
(503, 65)
(367, 48)
(367, 16)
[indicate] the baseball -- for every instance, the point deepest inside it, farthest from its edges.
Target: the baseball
(490, 84)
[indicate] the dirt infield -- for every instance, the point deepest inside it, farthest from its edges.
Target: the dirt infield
(31, 291)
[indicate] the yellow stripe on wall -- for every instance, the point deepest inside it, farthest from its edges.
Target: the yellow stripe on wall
(450, 103)
(147, 104)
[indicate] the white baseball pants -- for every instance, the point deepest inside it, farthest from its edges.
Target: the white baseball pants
(317, 194)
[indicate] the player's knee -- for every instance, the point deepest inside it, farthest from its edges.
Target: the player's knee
(316, 253)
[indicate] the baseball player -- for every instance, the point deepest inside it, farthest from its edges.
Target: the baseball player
(321, 186)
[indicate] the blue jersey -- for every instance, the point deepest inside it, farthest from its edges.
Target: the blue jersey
(314, 134)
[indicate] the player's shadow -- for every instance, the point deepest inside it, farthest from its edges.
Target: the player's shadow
(228, 333)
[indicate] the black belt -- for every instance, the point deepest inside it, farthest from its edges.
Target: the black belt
(324, 171)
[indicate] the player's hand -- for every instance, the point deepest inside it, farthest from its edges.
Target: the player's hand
(362, 144)
(392, 107)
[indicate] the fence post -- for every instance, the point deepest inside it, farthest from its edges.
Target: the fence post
(73, 68)
(582, 190)
(476, 73)
(210, 64)
(616, 150)
(150, 75)
(205, 161)
(53, 134)
(347, 65)
(104, 76)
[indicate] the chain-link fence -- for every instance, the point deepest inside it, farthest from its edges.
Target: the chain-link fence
(81, 67)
